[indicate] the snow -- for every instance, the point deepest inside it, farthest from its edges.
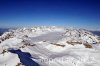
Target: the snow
(51, 46)
(8, 59)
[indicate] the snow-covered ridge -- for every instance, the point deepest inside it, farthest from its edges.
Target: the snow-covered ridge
(50, 43)
(72, 35)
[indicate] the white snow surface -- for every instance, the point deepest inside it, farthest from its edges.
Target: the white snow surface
(51, 46)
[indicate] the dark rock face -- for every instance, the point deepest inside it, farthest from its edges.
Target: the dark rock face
(25, 58)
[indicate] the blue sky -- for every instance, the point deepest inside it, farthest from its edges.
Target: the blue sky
(71, 13)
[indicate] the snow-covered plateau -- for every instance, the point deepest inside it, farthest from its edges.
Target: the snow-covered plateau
(49, 46)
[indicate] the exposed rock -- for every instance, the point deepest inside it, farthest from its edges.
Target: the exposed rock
(59, 45)
(73, 43)
(87, 45)
(20, 64)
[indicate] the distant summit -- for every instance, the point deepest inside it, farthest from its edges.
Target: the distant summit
(2, 30)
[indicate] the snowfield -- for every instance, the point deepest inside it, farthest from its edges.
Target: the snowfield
(50, 46)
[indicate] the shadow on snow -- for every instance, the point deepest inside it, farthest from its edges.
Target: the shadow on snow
(25, 58)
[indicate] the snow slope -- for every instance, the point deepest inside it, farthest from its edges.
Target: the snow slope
(51, 46)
